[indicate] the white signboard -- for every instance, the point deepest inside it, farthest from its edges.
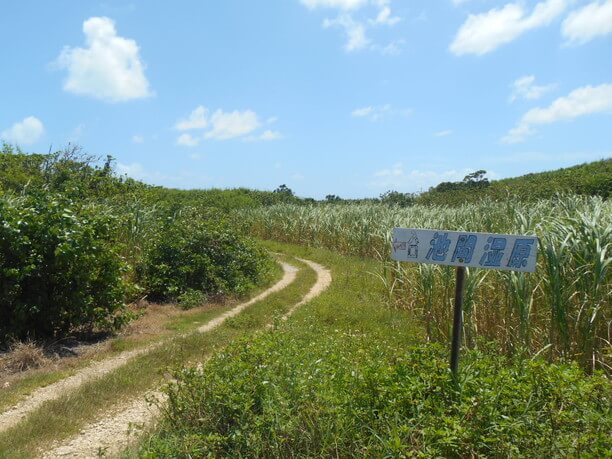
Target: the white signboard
(474, 250)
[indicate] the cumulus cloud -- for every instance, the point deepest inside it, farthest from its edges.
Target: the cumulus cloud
(109, 67)
(270, 135)
(416, 180)
(187, 140)
(25, 132)
(589, 22)
(376, 113)
(525, 88)
(482, 33)
(229, 125)
(196, 120)
(583, 101)
(355, 24)
(137, 138)
(223, 125)
(385, 18)
(354, 30)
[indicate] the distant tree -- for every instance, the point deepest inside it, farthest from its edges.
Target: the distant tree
(284, 189)
(473, 180)
(333, 198)
(476, 179)
(397, 198)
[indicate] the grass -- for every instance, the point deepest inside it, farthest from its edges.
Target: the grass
(156, 328)
(564, 306)
(65, 416)
(348, 377)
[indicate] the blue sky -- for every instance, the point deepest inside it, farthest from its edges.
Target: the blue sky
(346, 97)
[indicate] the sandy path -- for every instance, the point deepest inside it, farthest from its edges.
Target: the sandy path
(113, 433)
(16, 413)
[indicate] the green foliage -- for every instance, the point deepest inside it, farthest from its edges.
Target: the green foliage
(563, 307)
(395, 198)
(59, 269)
(79, 241)
(593, 179)
(348, 388)
(190, 299)
(200, 252)
(343, 378)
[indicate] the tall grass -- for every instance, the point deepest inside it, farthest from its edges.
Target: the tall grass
(563, 309)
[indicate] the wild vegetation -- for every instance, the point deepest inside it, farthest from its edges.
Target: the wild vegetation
(78, 242)
(360, 371)
(562, 310)
(349, 378)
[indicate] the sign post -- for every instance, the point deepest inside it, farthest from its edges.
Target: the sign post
(463, 250)
(457, 319)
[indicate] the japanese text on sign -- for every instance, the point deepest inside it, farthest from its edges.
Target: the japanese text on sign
(476, 250)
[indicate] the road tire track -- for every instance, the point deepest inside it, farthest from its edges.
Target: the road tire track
(113, 433)
(18, 412)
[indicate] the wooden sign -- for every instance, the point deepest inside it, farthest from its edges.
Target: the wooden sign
(473, 250)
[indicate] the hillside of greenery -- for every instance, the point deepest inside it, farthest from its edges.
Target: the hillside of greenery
(78, 243)
(590, 179)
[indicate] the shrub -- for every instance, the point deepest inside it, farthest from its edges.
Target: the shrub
(58, 268)
(334, 395)
(203, 253)
(191, 299)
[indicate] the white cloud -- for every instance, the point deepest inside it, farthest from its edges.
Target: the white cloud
(384, 17)
(108, 68)
(25, 132)
(397, 177)
(393, 48)
(363, 111)
(224, 126)
(444, 133)
(187, 140)
(525, 88)
(229, 125)
(270, 135)
(377, 113)
(137, 138)
(354, 30)
(355, 24)
(580, 102)
(339, 4)
(589, 22)
(196, 120)
(266, 136)
(483, 33)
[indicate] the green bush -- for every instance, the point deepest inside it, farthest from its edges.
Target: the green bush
(191, 299)
(59, 270)
(200, 252)
(346, 395)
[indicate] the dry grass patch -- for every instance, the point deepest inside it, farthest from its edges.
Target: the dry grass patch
(23, 356)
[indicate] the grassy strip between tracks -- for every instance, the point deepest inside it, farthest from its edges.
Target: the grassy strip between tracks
(347, 376)
(63, 417)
